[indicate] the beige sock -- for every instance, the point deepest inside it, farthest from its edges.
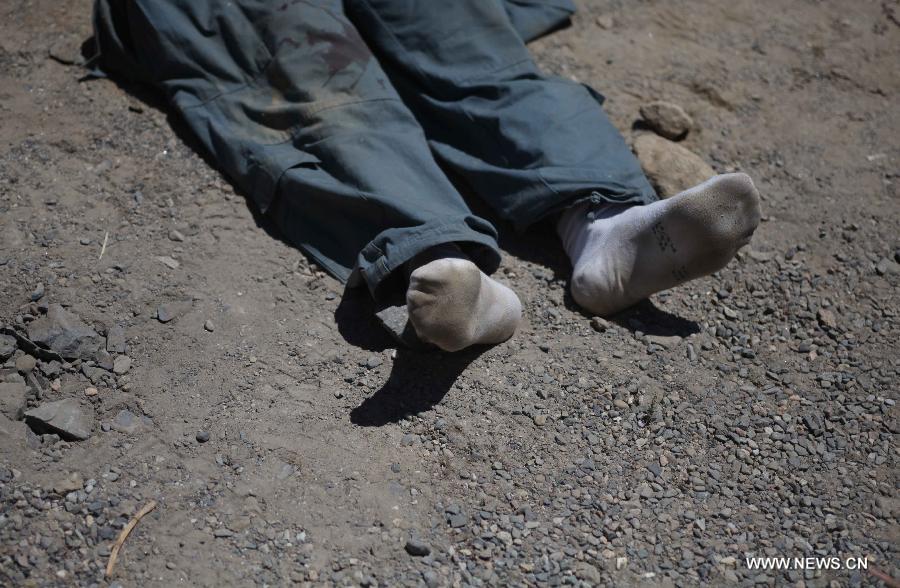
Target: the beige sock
(626, 253)
(452, 304)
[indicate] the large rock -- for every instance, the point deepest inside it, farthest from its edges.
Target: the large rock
(667, 119)
(63, 417)
(670, 167)
(65, 333)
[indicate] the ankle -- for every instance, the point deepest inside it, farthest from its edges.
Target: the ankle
(448, 250)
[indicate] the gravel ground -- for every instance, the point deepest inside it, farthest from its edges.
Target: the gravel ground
(161, 342)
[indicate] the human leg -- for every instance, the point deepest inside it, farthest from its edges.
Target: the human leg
(531, 144)
(295, 109)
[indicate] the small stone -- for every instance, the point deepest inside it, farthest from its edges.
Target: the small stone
(13, 395)
(168, 262)
(667, 119)
(25, 363)
(64, 417)
(395, 320)
(621, 563)
(664, 341)
(176, 236)
(588, 573)
(115, 339)
(167, 311)
(202, 436)
(826, 318)
(71, 483)
(7, 346)
(121, 365)
(416, 547)
(540, 420)
(90, 391)
(127, 422)
(373, 362)
(761, 256)
(605, 22)
(223, 533)
(600, 324)
(730, 313)
(104, 360)
(886, 266)
(670, 167)
(209, 325)
(38, 292)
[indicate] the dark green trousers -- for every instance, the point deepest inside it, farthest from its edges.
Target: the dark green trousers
(343, 119)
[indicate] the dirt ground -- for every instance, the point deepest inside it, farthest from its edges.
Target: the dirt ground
(751, 413)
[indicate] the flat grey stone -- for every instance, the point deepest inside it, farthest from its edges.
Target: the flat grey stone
(64, 417)
(64, 333)
(129, 423)
(170, 310)
(395, 319)
(115, 339)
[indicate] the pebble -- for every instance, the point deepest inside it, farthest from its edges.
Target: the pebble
(202, 436)
(600, 324)
(605, 22)
(7, 346)
(70, 483)
(209, 325)
(540, 420)
(115, 339)
(165, 313)
(176, 236)
(664, 341)
(25, 363)
(121, 365)
(670, 167)
(129, 423)
(667, 119)
(90, 391)
(38, 292)
(416, 547)
(169, 262)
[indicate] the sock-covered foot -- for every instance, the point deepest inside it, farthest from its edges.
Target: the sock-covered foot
(452, 304)
(626, 253)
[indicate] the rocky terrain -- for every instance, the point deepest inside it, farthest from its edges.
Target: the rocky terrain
(160, 342)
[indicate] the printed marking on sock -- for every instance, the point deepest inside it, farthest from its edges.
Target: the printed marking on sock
(662, 238)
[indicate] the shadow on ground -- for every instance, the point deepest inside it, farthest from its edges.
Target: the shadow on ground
(649, 319)
(418, 381)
